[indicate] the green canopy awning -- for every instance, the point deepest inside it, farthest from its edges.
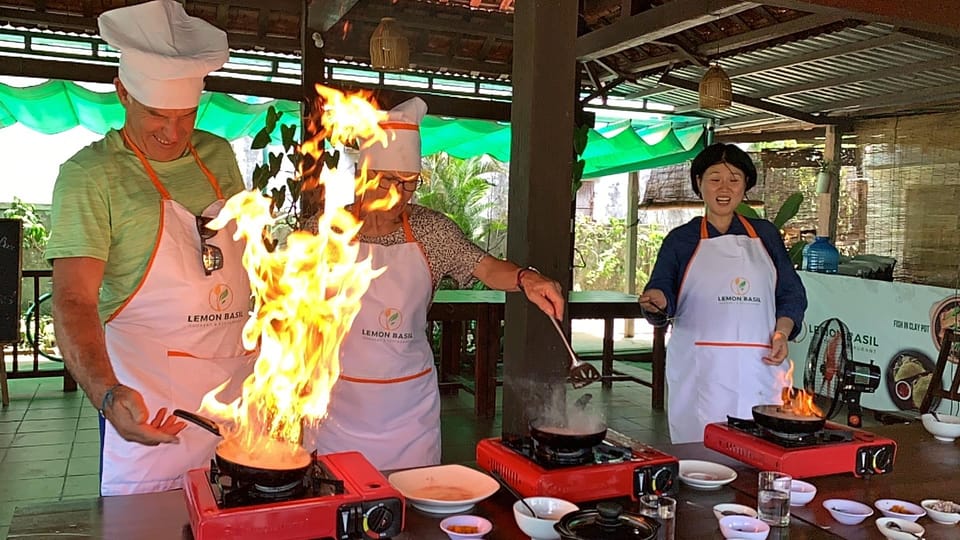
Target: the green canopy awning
(57, 106)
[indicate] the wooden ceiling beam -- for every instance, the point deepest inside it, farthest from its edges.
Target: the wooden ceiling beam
(847, 107)
(653, 24)
(894, 71)
(936, 16)
(494, 24)
(764, 35)
(799, 135)
(753, 103)
(322, 15)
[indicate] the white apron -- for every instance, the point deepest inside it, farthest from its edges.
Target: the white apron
(176, 338)
(724, 321)
(386, 403)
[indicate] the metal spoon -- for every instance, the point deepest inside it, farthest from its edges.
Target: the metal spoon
(895, 526)
(514, 492)
(936, 416)
(734, 513)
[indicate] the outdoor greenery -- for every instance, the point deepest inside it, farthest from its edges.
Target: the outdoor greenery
(35, 237)
(601, 254)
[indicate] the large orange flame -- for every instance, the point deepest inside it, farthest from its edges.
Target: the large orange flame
(306, 295)
(796, 400)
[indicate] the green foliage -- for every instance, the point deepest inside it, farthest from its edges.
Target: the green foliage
(787, 211)
(35, 233)
(458, 188)
(601, 248)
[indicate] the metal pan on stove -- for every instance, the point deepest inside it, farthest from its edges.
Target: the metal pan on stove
(573, 438)
(772, 417)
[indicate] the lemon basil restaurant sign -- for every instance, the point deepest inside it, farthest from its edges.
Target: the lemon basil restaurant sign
(11, 240)
(897, 326)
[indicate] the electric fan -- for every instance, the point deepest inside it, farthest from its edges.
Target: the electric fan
(831, 374)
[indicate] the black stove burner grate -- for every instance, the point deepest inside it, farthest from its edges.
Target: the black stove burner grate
(823, 437)
(550, 457)
(231, 492)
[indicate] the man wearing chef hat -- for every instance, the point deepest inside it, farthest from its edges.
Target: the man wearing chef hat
(145, 296)
(386, 403)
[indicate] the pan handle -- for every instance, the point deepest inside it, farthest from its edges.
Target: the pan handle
(201, 421)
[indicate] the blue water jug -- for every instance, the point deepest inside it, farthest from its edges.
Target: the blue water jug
(821, 256)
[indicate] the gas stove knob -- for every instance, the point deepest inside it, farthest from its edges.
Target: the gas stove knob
(882, 459)
(378, 519)
(662, 480)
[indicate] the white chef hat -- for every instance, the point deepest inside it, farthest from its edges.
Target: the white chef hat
(402, 150)
(164, 53)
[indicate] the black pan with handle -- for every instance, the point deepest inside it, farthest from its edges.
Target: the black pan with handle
(774, 418)
(231, 464)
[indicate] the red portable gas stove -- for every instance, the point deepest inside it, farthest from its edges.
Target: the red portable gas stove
(609, 469)
(835, 449)
(341, 496)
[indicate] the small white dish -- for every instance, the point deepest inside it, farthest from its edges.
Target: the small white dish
(465, 527)
(744, 527)
(705, 475)
(719, 509)
(846, 511)
(549, 511)
(895, 508)
(945, 427)
(444, 489)
(939, 516)
(801, 492)
(903, 529)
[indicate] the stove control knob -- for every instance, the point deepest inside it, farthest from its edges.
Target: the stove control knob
(378, 519)
(662, 480)
(882, 459)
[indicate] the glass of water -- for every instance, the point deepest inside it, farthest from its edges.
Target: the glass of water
(666, 514)
(773, 498)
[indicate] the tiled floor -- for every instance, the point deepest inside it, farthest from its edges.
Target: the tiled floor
(49, 440)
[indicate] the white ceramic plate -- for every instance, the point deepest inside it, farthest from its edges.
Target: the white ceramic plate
(444, 489)
(705, 474)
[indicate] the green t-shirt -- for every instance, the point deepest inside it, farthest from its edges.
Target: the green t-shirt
(105, 206)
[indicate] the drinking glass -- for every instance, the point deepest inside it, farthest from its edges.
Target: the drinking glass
(666, 515)
(649, 505)
(773, 498)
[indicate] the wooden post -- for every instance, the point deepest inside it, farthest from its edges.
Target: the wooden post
(633, 206)
(312, 73)
(542, 116)
(829, 204)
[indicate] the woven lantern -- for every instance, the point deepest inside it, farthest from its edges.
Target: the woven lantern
(715, 89)
(389, 49)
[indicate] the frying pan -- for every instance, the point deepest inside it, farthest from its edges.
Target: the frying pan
(564, 437)
(775, 419)
(264, 476)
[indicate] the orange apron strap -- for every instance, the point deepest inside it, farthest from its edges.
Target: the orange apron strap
(408, 233)
(153, 174)
(751, 232)
(210, 177)
(703, 228)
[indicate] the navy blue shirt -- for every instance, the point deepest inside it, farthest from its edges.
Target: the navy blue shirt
(678, 248)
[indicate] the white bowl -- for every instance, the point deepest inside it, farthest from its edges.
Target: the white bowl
(946, 429)
(895, 508)
(549, 511)
(480, 525)
(443, 489)
(801, 492)
(719, 509)
(944, 518)
(846, 511)
(744, 527)
(906, 527)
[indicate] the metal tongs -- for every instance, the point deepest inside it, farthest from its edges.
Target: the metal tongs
(581, 373)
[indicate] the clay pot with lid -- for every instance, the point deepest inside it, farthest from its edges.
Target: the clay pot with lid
(607, 521)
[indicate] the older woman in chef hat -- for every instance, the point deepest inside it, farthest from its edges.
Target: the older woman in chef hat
(733, 295)
(386, 403)
(138, 278)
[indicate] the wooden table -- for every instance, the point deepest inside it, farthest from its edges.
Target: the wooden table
(451, 307)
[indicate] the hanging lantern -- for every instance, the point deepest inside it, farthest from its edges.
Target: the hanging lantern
(389, 49)
(715, 89)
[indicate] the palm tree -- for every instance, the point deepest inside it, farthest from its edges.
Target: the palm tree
(459, 188)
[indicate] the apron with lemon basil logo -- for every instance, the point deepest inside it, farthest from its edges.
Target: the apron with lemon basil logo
(176, 338)
(725, 317)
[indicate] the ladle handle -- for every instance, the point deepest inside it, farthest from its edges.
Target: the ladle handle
(195, 418)
(513, 492)
(563, 337)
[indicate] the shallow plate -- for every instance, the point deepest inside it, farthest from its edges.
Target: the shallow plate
(444, 489)
(705, 474)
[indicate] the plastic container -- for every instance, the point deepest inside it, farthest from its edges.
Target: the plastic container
(821, 256)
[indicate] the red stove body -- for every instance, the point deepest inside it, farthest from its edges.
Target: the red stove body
(363, 505)
(834, 450)
(639, 470)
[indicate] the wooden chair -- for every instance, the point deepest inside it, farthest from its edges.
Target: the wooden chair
(936, 388)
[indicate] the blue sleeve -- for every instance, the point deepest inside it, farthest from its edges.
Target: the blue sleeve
(791, 296)
(672, 260)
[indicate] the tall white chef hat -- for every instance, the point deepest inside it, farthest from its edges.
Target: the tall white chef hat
(402, 151)
(164, 53)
